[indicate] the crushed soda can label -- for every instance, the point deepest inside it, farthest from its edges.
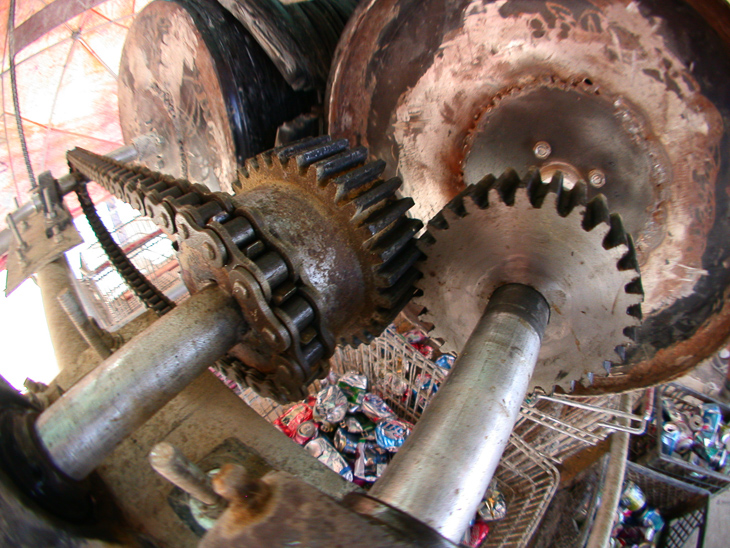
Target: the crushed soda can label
(293, 417)
(359, 424)
(331, 405)
(493, 506)
(323, 451)
(354, 385)
(371, 461)
(445, 361)
(391, 434)
(375, 408)
(670, 438)
(476, 534)
(305, 432)
(632, 497)
(345, 442)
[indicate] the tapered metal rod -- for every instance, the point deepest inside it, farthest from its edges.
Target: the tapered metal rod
(130, 386)
(440, 474)
(171, 464)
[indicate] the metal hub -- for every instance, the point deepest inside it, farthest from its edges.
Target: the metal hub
(546, 237)
(623, 98)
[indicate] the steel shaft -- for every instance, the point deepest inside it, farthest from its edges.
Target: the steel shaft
(125, 390)
(440, 474)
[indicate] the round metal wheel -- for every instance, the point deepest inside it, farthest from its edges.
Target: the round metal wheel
(193, 75)
(626, 97)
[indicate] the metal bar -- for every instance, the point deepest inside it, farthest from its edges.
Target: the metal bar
(441, 473)
(83, 325)
(125, 390)
(171, 464)
(68, 182)
(611, 493)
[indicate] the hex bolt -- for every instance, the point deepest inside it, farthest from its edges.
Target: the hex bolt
(171, 464)
(542, 150)
(596, 178)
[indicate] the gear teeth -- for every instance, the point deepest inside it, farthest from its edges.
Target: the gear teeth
(607, 365)
(632, 333)
(616, 235)
(357, 180)
(507, 186)
(635, 287)
(635, 311)
(568, 200)
(289, 151)
(389, 243)
(317, 153)
(621, 352)
(251, 165)
(390, 297)
(596, 213)
(375, 196)
(536, 189)
(390, 272)
(438, 222)
(629, 260)
(385, 216)
(338, 163)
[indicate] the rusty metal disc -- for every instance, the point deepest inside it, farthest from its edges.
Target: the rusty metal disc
(193, 75)
(630, 97)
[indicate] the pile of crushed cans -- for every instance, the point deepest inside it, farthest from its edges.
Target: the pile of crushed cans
(350, 428)
(636, 523)
(699, 437)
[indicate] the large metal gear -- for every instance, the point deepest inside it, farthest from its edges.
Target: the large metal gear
(574, 253)
(315, 247)
(623, 96)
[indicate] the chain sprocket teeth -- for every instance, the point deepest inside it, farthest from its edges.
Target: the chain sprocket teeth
(370, 205)
(596, 217)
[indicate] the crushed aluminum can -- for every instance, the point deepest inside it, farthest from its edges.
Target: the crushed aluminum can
(293, 417)
(371, 461)
(394, 385)
(670, 438)
(354, 385)
(711, 416)
(331, 405)
(415, 336)
(695, 422)
(445, 361)
(359, 424)
(375, 408)
(651, 519)
(391, 434)
(477, 533)
(323, 451)
(632, 497)
(493, 506)
(305, 432)
(345, 442)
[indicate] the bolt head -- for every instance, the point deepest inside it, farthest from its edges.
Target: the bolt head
(542, 150)
(596, 178)
(240, 291)
(269, 335)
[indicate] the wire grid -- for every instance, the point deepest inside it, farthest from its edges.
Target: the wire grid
(149, 250)
(686, 400)
(683, 506)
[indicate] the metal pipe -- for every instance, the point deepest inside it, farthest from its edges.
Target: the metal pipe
(71, 306)
(97, 413)
(611, 494)
(440, 474)
(171, 464)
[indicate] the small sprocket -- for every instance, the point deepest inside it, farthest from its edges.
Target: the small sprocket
(576, 254)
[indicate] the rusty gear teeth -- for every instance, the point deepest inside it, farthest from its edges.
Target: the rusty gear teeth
(496, 204)
(368, 204)
(233, 244)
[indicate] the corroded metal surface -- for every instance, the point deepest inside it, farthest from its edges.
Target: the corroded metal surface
(575, 254)
(443, 90)
(193, 74)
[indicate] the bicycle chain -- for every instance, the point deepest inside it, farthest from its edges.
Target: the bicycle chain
(229, 245)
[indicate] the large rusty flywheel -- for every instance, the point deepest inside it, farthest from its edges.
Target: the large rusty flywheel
(630, 97)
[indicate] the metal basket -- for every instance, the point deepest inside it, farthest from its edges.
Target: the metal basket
(686, 400)
(113, 303)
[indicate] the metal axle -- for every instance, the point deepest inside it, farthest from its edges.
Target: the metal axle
(441, 473)
(124, 391)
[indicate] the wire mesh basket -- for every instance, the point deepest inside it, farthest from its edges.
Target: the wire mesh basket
(686, 401)
(112, 301)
